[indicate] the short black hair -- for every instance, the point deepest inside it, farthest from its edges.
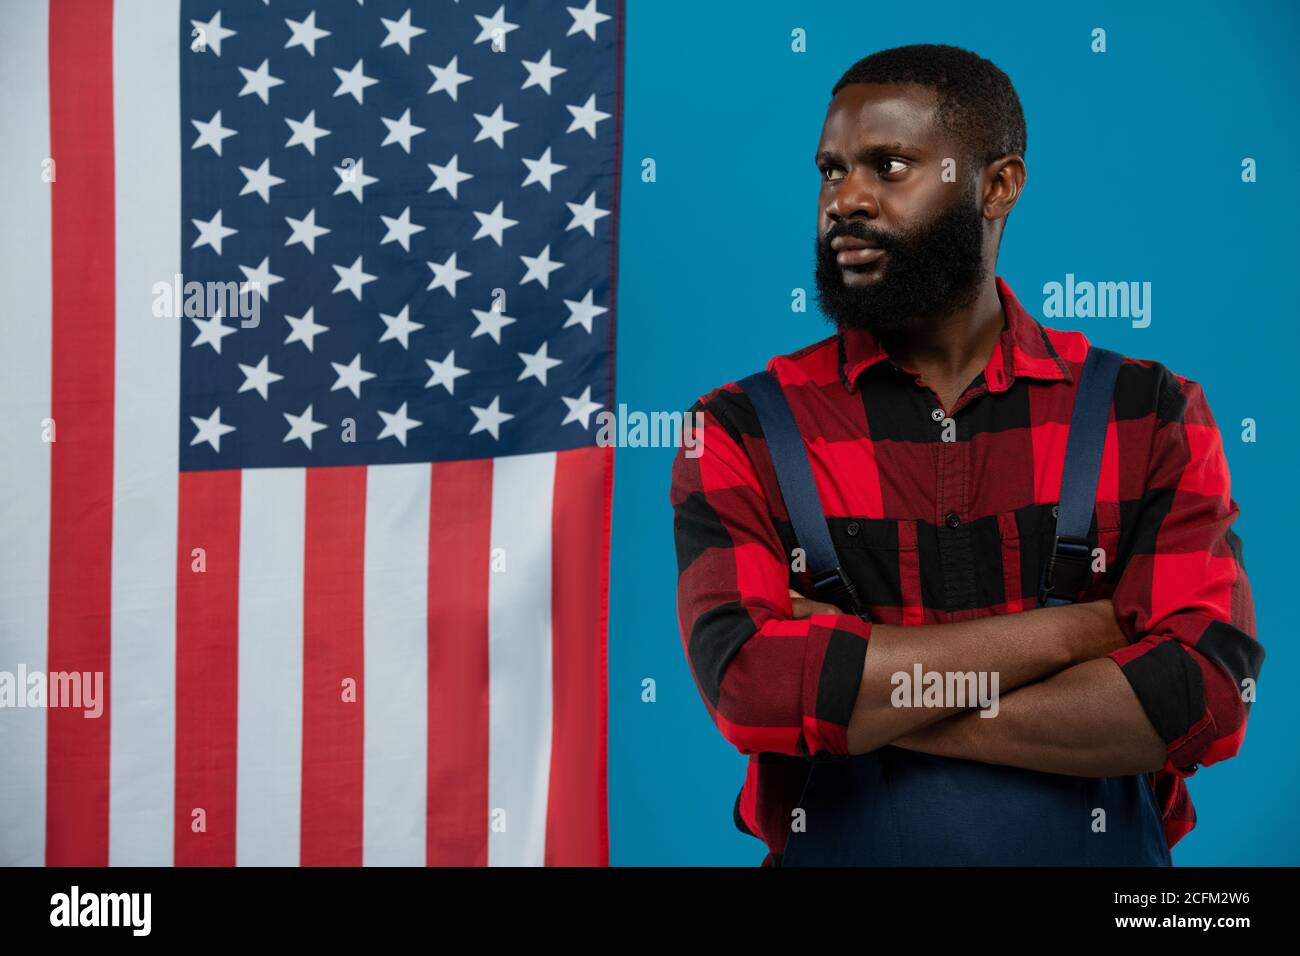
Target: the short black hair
(977, 102)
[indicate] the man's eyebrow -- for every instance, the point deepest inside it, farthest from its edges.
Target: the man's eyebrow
(871, 152)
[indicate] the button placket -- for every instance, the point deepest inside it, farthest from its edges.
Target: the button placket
(955, 538)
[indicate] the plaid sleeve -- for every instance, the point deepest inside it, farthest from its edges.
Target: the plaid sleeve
(1183, 597)
(770, 683)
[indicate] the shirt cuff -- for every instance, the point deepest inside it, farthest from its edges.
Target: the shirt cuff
(833, 663)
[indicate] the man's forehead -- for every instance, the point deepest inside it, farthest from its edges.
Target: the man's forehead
(862, 112)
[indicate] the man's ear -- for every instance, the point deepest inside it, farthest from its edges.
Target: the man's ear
(1004, 182)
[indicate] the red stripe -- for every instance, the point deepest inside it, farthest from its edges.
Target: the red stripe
(207, 667)
(577, 825)
(460, 525)
(81, 460)
(333, 726)
(909, 575)
(1009, 532)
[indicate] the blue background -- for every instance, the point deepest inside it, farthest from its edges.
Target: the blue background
(1134, 160)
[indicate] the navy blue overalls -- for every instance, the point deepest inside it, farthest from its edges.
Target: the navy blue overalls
(895, 807)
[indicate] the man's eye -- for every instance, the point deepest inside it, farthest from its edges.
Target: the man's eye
(885, 163)
(829, 174)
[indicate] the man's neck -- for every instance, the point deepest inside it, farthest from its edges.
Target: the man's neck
(952, 348)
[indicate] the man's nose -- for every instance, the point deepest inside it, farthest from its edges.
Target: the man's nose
(854, 197)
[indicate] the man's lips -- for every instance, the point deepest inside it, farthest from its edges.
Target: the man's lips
(859, 257)
(852, 251)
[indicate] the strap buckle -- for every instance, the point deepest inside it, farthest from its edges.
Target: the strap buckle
(1067, 570)
(834, 587)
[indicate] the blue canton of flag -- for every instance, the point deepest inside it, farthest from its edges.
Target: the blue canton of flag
(424, 196)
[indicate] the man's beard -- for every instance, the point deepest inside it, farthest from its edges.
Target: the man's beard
(926, 272)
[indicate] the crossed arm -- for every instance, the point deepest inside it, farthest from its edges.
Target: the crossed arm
(1071, 712)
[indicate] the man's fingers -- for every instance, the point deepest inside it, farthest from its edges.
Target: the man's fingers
(803, 608)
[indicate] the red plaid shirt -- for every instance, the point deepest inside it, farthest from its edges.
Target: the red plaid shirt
(932, 531)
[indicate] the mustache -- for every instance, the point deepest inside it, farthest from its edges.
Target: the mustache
(858, 230)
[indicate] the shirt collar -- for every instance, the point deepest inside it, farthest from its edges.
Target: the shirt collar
(1022, 348)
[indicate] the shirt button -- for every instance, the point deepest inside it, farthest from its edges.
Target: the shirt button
(852, 528)
(951, 519)
(937, 414)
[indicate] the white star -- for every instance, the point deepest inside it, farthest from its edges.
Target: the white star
(581, 313)
(210, 429)
(541, 73)
(305, 230)
(586, 116)
(396, 424)
(493, 224)
(540, 267)
(402, 33)
(537, 365)
(258, 377)
(400, 229)
(212, 33)
(212, 133)
(400, 131)
(353, 81)
(305, 132)
(448, 177)
(302, 427)
(446, 276)
(490, 419)
(211, 332)
(305, 35)
(352, 278)
(444, 373)
(260, 81)
(491, 323)
(542, 169)
(497, 24)
(260, 180)
(494, 127)
(399, 327)
(304, 329)
(351, 376)
(585, 19)
(585, 215)
(446, 79)
(353, 179)
(211, 232)
(580, 407)
(260, 278)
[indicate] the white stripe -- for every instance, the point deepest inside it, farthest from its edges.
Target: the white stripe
(396, 664)
(519, 659)
(268, 778)
(24, 402)
(146, 131)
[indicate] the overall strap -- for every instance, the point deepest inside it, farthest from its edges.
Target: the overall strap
(799, 490)
(1067, 570)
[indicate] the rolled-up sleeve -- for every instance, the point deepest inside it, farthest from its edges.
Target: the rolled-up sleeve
(1183, 597)
(770, 683)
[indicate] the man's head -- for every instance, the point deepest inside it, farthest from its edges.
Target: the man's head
(921, 157)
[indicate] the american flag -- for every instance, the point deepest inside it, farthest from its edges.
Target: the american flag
(342, 560)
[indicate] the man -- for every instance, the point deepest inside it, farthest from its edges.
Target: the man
(936, 420)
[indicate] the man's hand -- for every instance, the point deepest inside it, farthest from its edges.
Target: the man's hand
(807, 607)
